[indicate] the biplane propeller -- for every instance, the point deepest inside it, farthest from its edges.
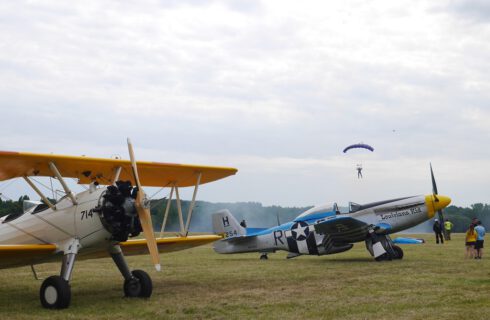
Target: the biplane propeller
(143, 209)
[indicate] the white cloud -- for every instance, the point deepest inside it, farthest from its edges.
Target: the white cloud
(271, 87)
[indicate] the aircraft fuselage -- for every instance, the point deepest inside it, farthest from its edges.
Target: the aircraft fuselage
(303, 235)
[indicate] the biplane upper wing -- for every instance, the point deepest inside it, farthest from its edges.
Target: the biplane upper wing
(29, 254)
(87, 170)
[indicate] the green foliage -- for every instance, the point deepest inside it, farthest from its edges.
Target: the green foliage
(461, 217)
(256, 214)
(9, 206)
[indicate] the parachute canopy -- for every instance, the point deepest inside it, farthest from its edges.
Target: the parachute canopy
(359, 145)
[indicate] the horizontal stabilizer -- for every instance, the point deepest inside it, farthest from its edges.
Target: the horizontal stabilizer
(402, 240)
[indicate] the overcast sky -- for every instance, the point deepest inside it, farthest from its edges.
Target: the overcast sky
(276, 89)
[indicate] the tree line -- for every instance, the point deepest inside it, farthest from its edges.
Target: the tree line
(255, 214)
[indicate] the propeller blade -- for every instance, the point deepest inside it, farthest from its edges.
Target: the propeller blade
(133, 164)
(144, 213)
(440, 213)
(434, 185)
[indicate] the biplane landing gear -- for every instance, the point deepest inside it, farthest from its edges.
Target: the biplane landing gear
(55, 292)
(264, 256)
(137, 283)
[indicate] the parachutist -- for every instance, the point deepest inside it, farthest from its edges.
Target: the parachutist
(359, 171)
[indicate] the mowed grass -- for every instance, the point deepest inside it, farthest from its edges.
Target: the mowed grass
(431, 282)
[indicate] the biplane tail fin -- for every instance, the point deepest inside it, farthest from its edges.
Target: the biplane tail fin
(225, 223)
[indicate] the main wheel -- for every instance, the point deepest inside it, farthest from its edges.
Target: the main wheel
(55, 293)
(139, 286)
(399, 252)
(264, 257)
(383, 257)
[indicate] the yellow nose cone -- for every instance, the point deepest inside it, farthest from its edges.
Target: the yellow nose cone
(435, 203)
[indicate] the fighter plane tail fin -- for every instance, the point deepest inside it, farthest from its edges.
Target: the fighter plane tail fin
(225, 223)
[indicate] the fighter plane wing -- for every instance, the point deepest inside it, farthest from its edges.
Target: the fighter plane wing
(87, 170)
(342, 229)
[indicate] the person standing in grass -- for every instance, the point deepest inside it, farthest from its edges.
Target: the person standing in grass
(438, 231)
(470, 242)
(448, 227)
(480, 231)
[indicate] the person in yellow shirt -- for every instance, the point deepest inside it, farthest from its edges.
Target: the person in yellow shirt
(470, 242)
(448, 226)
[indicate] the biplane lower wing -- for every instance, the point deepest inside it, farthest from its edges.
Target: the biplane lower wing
(31, 254)
(167, 244)
(25, 254)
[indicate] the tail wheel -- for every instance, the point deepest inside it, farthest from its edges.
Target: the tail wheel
(139, 286)
(55, 293)
(399, 252)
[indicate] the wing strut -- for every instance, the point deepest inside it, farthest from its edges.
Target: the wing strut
(63, 183)
(179, 210)
(167, 210)
(117, 173)
(191, 208)
(33, 186)
(184, 230)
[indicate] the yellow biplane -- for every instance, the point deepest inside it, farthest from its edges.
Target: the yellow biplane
(97, 222)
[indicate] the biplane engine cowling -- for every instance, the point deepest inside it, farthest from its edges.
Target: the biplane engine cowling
(117, 211)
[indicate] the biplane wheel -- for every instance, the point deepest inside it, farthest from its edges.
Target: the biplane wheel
(264, 257)
(399, 252)
(140, 286)
(55, 293)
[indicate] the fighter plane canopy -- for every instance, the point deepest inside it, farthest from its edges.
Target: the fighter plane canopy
(318, 211)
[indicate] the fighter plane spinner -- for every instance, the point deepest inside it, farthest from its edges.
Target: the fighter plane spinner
(97, 222)
(325, 230)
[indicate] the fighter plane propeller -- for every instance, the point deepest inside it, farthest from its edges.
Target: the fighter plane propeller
(440, 212)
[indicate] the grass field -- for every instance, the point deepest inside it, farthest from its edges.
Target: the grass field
(431, 282)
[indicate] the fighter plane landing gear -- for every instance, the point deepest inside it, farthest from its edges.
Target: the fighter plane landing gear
(398, 251)
(264, 256)
(381, 247)
(137, 284)
(55, 292)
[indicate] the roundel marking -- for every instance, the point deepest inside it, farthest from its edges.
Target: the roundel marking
(300, 231)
